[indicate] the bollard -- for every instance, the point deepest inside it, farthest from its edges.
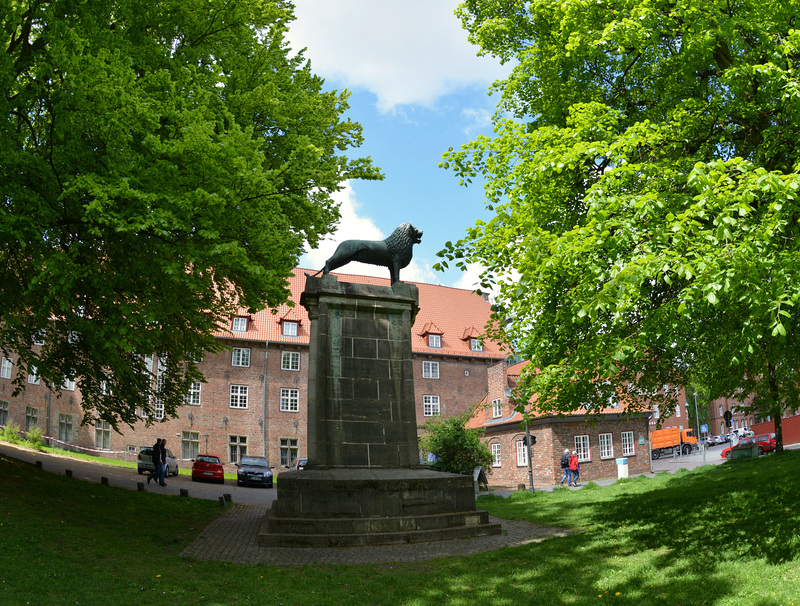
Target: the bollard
(222, 501)
(38, 464)
(521, 487)
(140, 486)
(104, 481)
(184, 492)
(68, 472)
(227, 497)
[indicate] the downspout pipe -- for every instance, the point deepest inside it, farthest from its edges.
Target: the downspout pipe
(264, 402)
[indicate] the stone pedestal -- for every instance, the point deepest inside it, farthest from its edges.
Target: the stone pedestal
(363, 484)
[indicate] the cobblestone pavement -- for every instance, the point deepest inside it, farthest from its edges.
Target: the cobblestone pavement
(233, 537)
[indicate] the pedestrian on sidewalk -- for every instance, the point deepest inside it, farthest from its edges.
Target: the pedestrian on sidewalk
(162, 470)
(575, 467)
(156, 457)
(565, 467)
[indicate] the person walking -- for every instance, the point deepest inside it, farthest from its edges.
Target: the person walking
(574, 467)
(565, 467)
(156, 457)
(162, 471)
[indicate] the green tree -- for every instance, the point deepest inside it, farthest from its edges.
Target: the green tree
(644, 181)
(163, 164)
(457, 448)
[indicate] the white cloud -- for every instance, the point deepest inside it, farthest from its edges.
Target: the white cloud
(404, 51)
(353, 226)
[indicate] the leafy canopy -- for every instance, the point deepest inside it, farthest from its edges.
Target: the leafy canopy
(163, 164)
(644, 181)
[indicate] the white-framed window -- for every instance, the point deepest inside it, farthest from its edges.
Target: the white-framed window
(237, 448)
(522, 454)
(628, 448)
(239, 325)
(190, 444)
(497, 408)
(5, 368)
(430, 406)
(435, 341)
(288, 451)
(582, 446)
(290, 399)
(239, 396)
(678, 410)
(3, 412)
(38, 338)
(64, 427)
(430, 370)
(289, 329)
(656, 412)
(496, 458)
(192, 397)
(31, 417)
(68, 384)
(102, 435)
(290, 360)
(240, 356)
(720, 410)
(158, 404)
(606, 445)
(33, 376)
(475, 345)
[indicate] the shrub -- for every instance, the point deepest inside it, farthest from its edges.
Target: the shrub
(457, 448)
(10, 433)
(34, 439)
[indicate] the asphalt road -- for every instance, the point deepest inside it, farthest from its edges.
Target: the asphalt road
(129, 478)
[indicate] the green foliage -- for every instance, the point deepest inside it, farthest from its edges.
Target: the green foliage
(34, 438)
(163, 166)
(644, 181)
(10, 433)
(643, 542)
(457, 448)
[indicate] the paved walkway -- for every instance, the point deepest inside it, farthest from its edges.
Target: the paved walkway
(233, 537)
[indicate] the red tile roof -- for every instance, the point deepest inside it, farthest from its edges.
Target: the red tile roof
(450, 312)
(483, 414)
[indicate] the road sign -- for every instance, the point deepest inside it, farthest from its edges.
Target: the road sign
(704, 429)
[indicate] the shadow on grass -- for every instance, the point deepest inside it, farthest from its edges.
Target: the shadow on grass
(745, 509)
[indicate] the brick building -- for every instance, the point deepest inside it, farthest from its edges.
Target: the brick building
(598, 444)
(254, 397)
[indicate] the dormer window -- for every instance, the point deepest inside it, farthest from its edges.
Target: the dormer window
(239, 324)
(435, 341)
(475, 345)
(289, 329)
(497, 409)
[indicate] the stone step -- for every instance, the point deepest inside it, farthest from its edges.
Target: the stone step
(267, 539)
(323, 525)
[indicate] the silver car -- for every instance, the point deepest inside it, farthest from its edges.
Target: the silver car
(145, 461)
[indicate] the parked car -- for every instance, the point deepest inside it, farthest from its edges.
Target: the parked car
(710, 441)
(208, 468)
(722, 439)
(254, 471)
(765, 441)
(144, 461)
(299, 464)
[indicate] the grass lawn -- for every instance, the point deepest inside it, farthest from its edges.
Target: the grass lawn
(718, 535)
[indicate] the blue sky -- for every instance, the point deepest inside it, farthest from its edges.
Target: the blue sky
(417, 88)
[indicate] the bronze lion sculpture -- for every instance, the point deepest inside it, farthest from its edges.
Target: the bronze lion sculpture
(394, 252)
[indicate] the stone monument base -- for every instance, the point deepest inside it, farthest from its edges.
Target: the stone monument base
(347, 507)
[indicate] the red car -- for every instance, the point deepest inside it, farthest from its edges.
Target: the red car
(208, 467)
(765, 441)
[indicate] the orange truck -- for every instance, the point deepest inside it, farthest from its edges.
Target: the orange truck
(664, 442)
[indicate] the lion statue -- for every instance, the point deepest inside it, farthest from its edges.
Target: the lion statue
(394, 252)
